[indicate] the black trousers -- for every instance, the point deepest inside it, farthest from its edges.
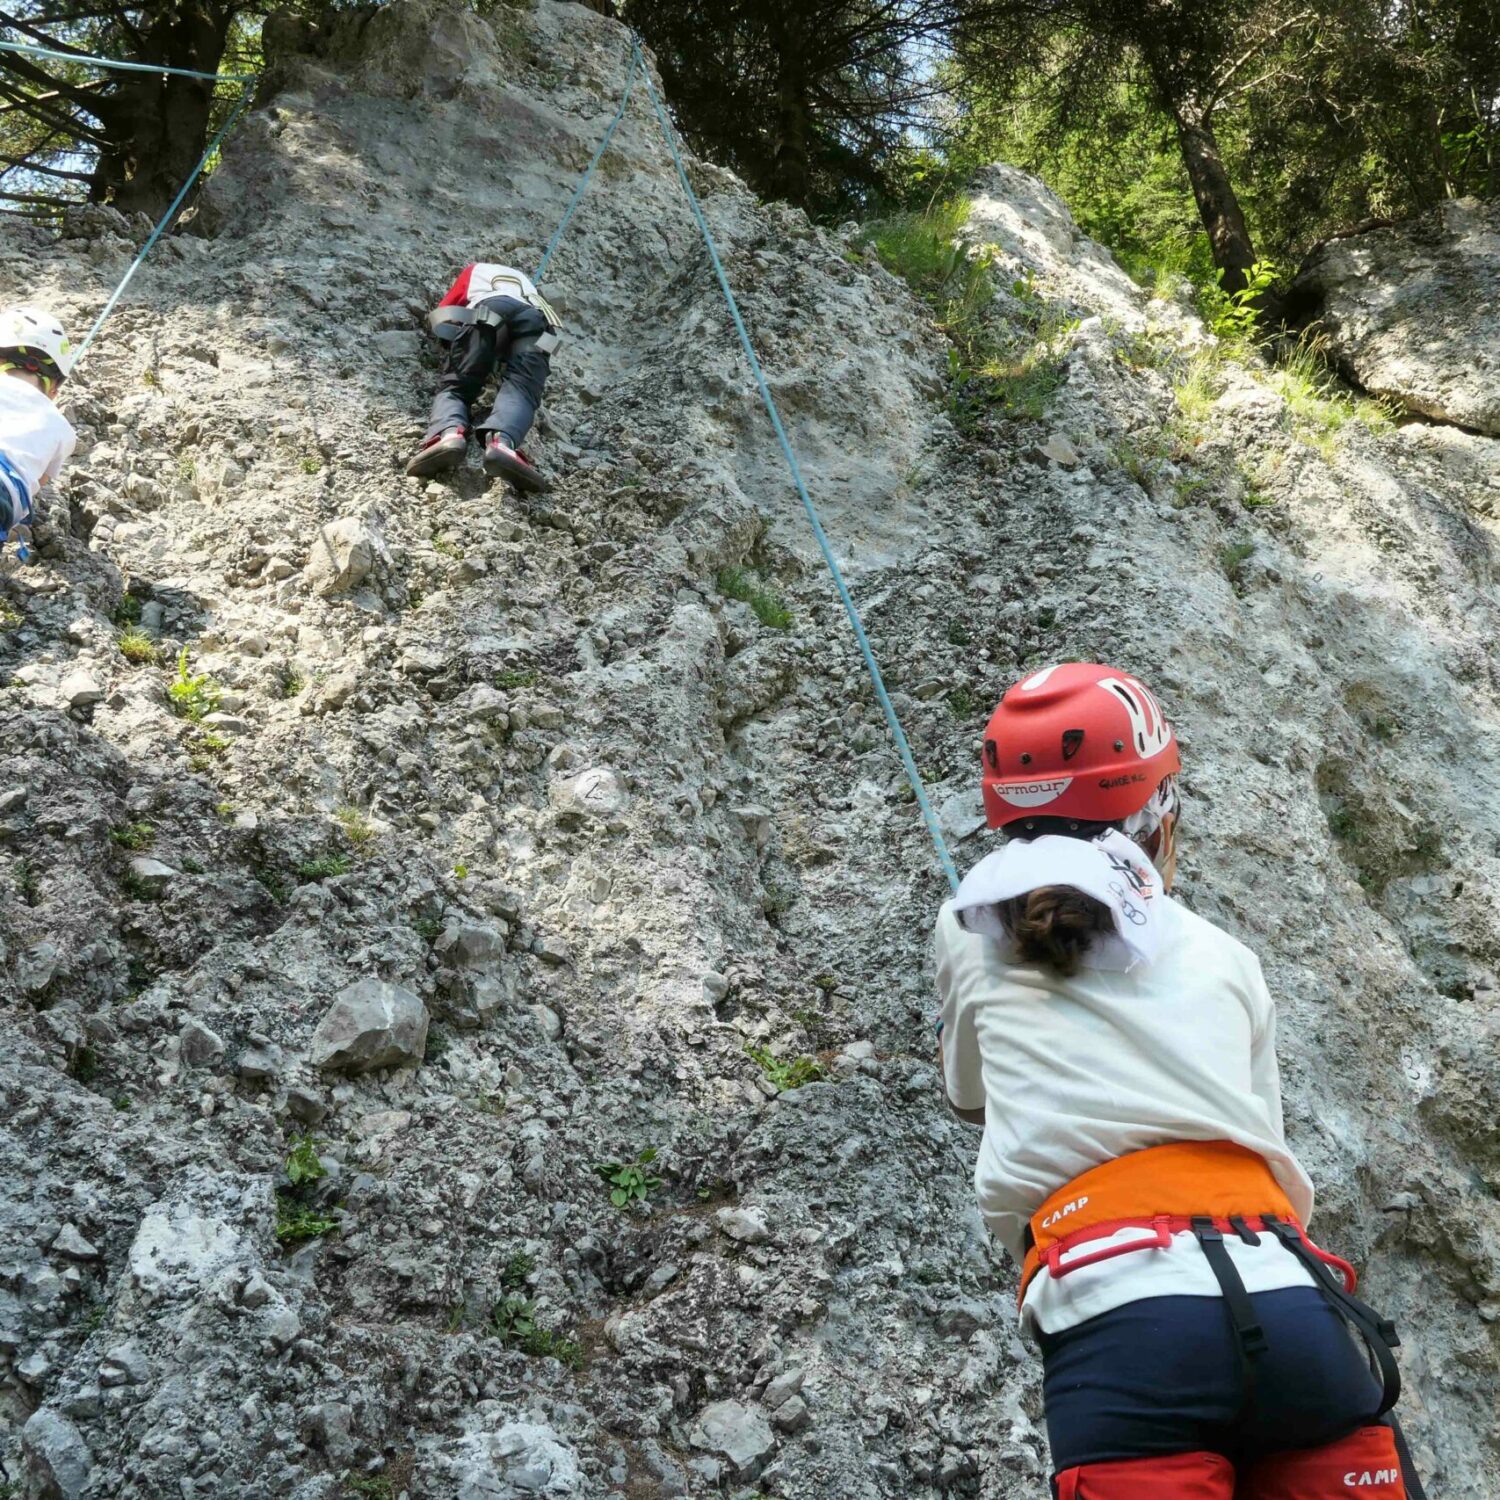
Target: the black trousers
(472, 358)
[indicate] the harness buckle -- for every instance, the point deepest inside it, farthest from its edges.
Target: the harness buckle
(1206, 1229)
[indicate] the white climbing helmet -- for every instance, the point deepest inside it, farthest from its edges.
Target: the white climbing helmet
(35, 332)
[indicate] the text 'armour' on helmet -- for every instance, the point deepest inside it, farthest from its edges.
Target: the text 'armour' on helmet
(1080, 741)
(39, 333)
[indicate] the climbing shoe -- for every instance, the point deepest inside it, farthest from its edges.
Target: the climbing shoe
(500, 459)
(445, 451)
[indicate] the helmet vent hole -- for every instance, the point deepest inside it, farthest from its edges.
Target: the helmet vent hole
(1026, 759)
(1119, 744)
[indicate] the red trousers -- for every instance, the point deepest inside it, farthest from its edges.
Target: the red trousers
(1362, 1466)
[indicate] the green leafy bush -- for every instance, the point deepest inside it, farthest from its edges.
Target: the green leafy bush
(629, 1181)
(193, 696)
(786, 1073)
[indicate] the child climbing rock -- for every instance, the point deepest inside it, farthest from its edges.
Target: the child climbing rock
(491, 316)
(1120, 1052)
(36, 440)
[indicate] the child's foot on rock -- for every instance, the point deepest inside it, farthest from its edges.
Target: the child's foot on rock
(501, 459)
(445, 451)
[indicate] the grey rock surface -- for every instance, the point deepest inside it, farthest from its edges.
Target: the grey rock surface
(371, 1024)
(1412, 310)
(404, 806)
(739, 1433)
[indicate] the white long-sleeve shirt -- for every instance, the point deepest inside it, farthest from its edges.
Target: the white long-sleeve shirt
(1074, 1071)
(36, 437)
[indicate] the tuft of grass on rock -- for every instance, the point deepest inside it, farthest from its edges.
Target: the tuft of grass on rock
(745, 585)
(137, 647)
(324, 867)
(357, 828)
(132, 835)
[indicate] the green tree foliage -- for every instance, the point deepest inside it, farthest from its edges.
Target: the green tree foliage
(70, 130)
(1192, 134)
(810, 102)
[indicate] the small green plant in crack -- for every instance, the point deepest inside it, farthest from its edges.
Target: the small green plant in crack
(137, 647)
(208, 746)
(437, 1047)
(958, 633)
(1232, 559)
(370, 1487)
(961, 702)
(10, 617)
(292, 683)
(311, 464)
(786, 1073)
(139, 889)
(324, 867)
(629, 1181)
(128, 611)
(357, 828)
(122, 1103)
(427, 928)
(193, 695)
(509, 678)
(303, 1164)
(777, 897)
(448, 549)
(513, 1321)
(296, 1223)
(297, 1220)
(132, 835)
(272, 884)
(743, 584)
(517, 1270)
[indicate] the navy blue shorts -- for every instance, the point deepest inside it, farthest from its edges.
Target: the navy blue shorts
(1164, 1375)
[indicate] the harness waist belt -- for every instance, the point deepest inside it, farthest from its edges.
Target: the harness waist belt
(1160, 1191)
(445, 322)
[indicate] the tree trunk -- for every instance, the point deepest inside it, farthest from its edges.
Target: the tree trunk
(159, 124)
(791, 168)
(1218, 207)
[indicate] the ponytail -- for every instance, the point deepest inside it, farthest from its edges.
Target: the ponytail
(1054, 926)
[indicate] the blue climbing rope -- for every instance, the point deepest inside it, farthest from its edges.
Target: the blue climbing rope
(125, 67)
(893, 722)
(588, 171)
(166, 219)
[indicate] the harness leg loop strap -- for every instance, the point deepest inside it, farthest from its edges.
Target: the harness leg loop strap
(1241, 1309)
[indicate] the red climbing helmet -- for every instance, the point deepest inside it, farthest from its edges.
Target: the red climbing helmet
(1077, 741)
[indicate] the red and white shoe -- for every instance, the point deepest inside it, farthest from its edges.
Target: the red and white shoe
(501, 460)
(445, 451)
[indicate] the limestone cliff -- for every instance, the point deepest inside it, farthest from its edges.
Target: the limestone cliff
(512, 796)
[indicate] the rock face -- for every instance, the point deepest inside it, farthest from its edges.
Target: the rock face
(534, 775)
(343, 552)
(371, 1025)
(1413, 311)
